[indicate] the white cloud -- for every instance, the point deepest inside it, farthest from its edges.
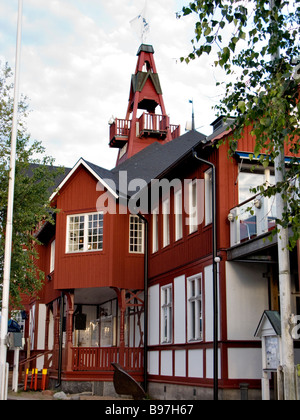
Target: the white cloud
(77, 61)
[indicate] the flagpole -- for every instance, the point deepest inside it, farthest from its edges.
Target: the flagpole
(9, 222)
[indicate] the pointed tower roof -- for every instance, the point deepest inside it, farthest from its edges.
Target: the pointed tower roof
(146, 119)
(145, 83)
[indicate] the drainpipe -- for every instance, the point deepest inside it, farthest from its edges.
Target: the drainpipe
(216, 260)
(60, 340)
(145, 302)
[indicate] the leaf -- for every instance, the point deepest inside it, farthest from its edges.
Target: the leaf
(207, 32)
(207, 49)
(242, 35)
(242, 106)
(232, 46)
(186, 11)
(225, 54)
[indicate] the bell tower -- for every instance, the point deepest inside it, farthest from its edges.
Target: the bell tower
(146, 119)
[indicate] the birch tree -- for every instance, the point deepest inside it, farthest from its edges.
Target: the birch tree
(35, 175)
(257, 46)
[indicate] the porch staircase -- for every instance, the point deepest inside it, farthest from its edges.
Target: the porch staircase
(31, 378)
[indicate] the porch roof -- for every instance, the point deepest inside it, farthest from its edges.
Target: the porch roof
(94, 295)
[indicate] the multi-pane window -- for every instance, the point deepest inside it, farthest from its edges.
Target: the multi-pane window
(85, 233)
(208, 196)
(155, 230)
(166, 223)
(136, 235)
(166, 314)
(193, 220)
(194, 304)
(178, 215)
(52, 256)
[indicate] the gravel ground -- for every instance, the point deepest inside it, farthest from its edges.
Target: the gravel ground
(50, 396)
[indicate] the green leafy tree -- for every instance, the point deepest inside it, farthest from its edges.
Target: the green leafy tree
(256, 43)
(35, 176)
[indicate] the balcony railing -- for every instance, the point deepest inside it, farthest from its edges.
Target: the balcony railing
(252, 218)
(147, 125)
(119, 132)
(175, 131)
(153, 124)
(100, 358)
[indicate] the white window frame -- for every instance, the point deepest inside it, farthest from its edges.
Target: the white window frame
(166, 314)
(195, 308)
(155, 230)
(136, 235)
(52, 256)
(208, 196)
(166, 222)
(193, 217)
(85, 234)
(178, 215)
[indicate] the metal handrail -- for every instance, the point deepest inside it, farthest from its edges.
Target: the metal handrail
(32, 358)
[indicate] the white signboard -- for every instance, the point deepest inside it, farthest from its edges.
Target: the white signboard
(272, 352)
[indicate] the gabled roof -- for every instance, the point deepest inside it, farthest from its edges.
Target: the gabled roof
(156, 159)
(148, 164)
(99, 173)
(274, 318)
(139, 80)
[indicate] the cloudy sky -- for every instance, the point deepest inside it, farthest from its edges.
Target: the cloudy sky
(76, 66)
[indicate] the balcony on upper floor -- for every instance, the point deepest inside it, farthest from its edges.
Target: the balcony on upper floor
(256, 217)
(147, 125)
(252, 218)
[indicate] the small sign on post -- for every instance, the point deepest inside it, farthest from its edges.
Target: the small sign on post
(269, 331)
(15, 342)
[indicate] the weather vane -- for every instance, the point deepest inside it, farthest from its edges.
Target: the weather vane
(141, 24)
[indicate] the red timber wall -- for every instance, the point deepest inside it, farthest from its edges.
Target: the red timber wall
(47, 294)
(112, 267)
(247, 143)
(227, 185)
(197, 245)
(190, 256)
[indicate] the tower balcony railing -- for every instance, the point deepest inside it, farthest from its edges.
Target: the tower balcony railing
(175, 131)
(147, 125)
(119, 132)
(153, 124)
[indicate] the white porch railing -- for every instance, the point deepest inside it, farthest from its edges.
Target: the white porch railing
(252, 218)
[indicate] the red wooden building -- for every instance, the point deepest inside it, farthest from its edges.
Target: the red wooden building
(91, 309)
